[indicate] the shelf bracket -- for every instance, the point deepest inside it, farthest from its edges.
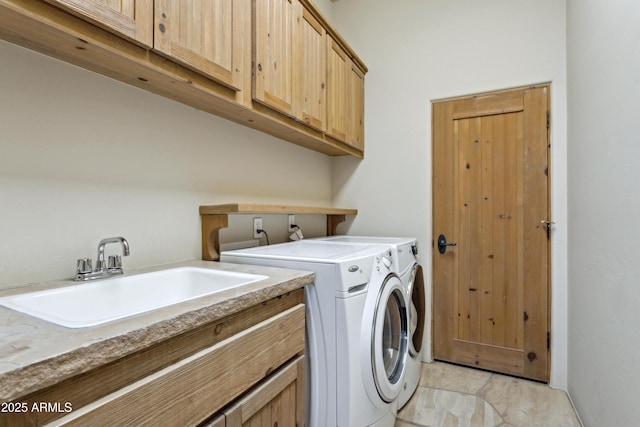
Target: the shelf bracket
(332, 223)
(211, 225)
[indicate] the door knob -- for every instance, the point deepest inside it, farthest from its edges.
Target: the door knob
(442, 244)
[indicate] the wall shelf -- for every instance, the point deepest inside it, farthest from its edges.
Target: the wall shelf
(216, 217)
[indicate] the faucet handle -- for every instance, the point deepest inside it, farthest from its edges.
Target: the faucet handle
(84, 266)
(115, 261)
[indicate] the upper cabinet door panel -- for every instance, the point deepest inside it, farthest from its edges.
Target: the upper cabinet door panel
(311, 66)
(273, 24)
(338, 73)
(205, 35)
(356, 108)
(130, 18)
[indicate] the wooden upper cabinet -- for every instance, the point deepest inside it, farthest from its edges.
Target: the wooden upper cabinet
(130, 18)
(356, 108)
(306, 84)
(205, 35)
(311, 67)
(273, 26)
(301, 69)
(338, 76)
(290, 61)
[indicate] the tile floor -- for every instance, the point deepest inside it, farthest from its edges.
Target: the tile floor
(455, 396)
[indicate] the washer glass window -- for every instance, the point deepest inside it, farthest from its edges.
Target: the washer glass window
(417, 310)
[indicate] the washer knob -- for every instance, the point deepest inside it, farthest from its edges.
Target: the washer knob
(387, 261)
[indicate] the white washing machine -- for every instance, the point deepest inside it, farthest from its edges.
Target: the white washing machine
(405, 264)
(357, 329)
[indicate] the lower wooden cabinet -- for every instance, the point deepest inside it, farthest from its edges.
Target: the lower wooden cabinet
(279, 401)
(246, 366)
(189, 391)
(217, 421)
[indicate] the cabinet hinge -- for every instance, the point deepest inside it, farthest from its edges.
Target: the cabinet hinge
(548, 119)
(548, 340)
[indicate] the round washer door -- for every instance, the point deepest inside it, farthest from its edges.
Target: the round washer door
(417, 295)
(389, 338)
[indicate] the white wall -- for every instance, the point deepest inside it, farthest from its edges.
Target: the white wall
(325, 7)
(418, 51)
(83, 157)
(603, 43)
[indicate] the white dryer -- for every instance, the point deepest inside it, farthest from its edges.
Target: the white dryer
(357, 326)
(405, 264)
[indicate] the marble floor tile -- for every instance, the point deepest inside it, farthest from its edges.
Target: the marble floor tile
(452, 377)
(455, 396)
(443, 408)
(527, 403)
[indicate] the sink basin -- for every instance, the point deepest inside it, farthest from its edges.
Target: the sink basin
(102, 301)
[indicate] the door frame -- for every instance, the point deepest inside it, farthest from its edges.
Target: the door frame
(434, 232)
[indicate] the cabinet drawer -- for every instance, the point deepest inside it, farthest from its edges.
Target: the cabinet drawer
(189, 391)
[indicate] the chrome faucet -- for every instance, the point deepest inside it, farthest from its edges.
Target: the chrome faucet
(84, 270)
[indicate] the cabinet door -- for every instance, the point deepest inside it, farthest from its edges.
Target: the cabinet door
(356, 110)
(273, 52)
(279, 401)
(131, 18)
(205, 35)
(311, 68)
(338, 73)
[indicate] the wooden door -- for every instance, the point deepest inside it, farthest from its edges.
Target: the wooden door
(311, 69)
(490, 197)
(131, 18)
(273, 25)
(338, 73)
(204, 35)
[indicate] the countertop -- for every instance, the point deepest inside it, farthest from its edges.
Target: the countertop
(35, 353)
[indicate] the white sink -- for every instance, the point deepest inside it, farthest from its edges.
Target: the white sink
(102, 301)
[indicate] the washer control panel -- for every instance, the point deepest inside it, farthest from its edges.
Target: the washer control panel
(384, 262)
